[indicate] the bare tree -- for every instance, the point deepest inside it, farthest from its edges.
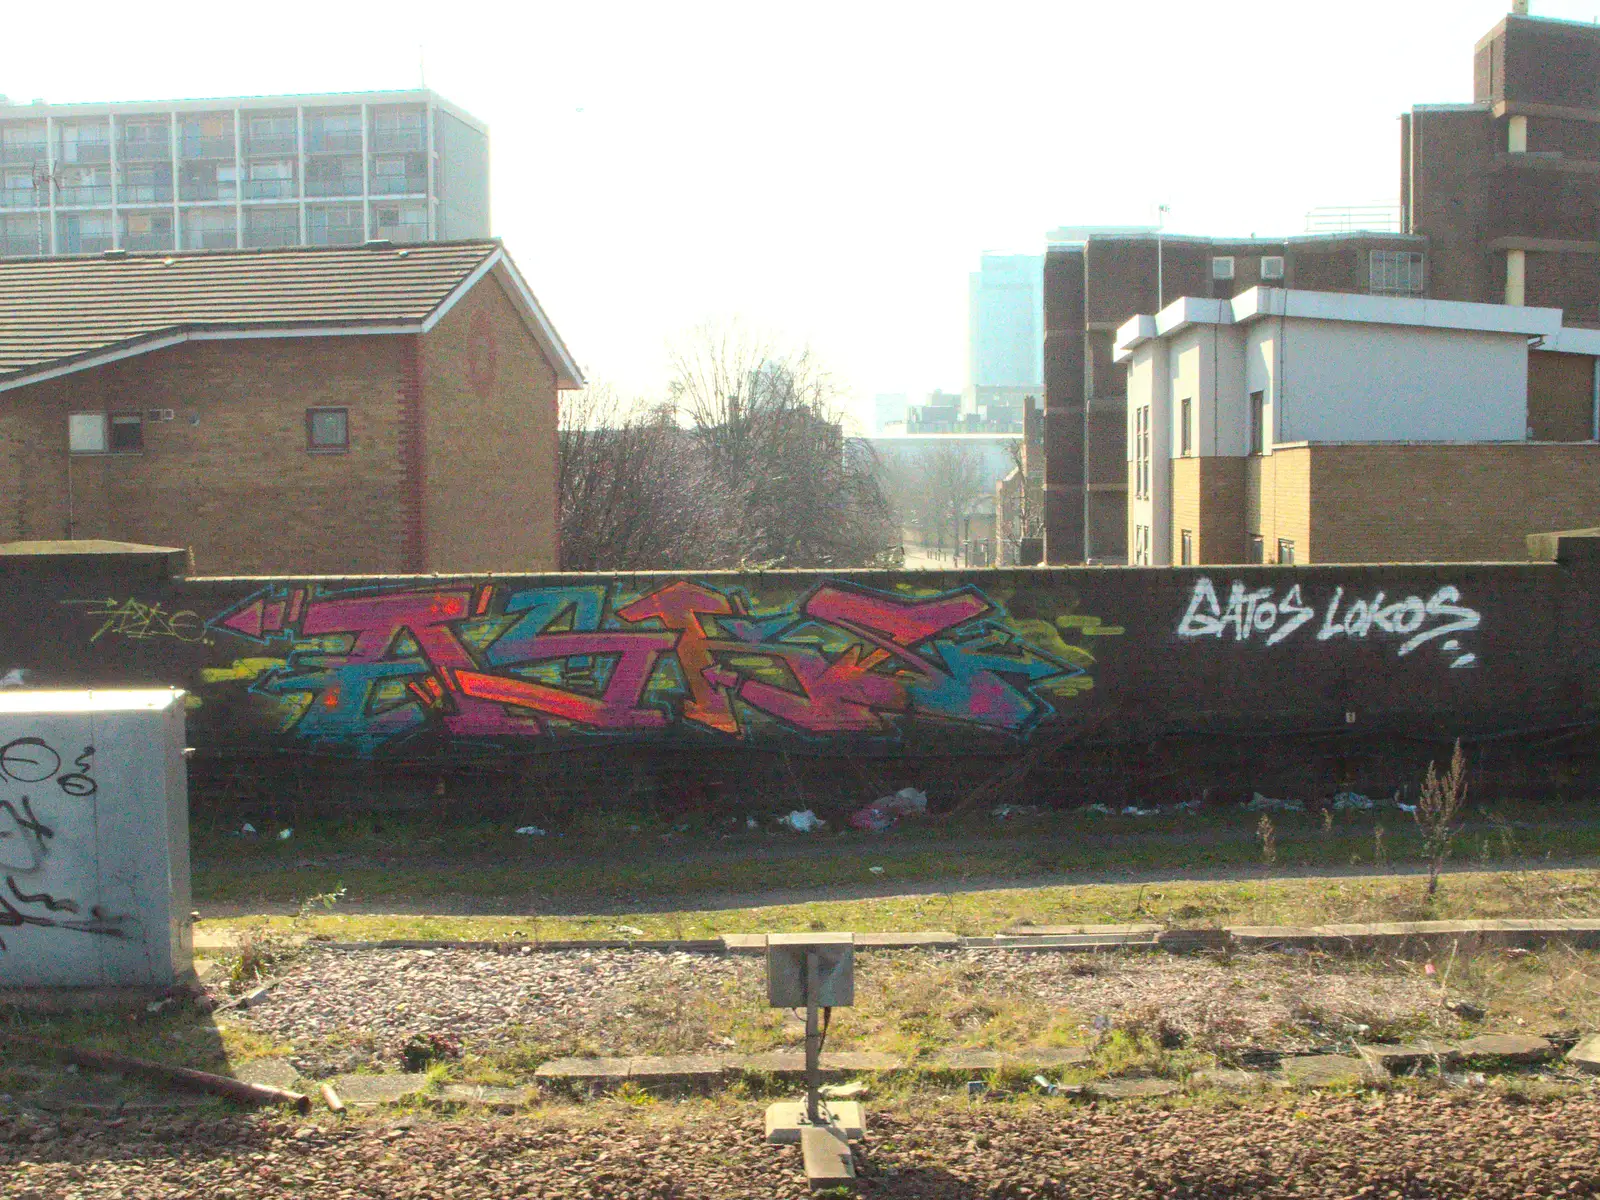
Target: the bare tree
(793, 489)
(633, 494)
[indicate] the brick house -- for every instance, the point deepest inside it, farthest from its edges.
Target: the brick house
(309, 410)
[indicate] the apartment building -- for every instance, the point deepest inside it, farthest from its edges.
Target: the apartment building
(1095, 279)
(245, 172)
(1290, 426)
(1500, 203)
(307, 410)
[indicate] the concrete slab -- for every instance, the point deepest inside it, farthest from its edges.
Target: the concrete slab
(1408, 1055)
(787, 1118)
(680, 1070)
(1229, 1079)
(745, 943)
(1326, 1070)
(273, 1072)
(483, 1096)
(593, 1072)
(828, 1160)
(1099, 931)
(1586, 1054)
(907, 941)
(1081, 942)
(1508, 1047)
(1130, 1089)
(368, 1091)
(971, 1060)
(1032, 1059)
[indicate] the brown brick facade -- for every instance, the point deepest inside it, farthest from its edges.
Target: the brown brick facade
(1208, 496)
(1444, 503)
(1560, 397)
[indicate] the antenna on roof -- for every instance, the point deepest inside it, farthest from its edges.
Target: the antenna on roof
(422, 64)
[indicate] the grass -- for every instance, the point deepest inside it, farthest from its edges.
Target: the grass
(623, 862)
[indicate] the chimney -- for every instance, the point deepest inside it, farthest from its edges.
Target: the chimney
(1519, 8)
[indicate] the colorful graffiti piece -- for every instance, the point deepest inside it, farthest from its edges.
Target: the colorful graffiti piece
(367, 670)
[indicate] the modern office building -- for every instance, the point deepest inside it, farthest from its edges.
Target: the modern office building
(246, 172)
(1005, 341)
(1289, 426)
(1500, 203)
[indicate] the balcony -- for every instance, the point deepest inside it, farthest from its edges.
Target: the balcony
(189, 191)
(145, 193)
(271, 189)
(84, 152)
(343, 236)
(84, 243)
(13, 153)
(399, 185)
(285, 235)
(210, 239)
(149, 241)
(333, 141)
(20, 197)
(409, 232)
(17, 245)
(390, 141)
(274, 144)
(220, 146)
(97, 193)
(146, 151)
(333, 185)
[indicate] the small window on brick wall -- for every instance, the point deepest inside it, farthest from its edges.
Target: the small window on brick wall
(105, 433)
(327, 430)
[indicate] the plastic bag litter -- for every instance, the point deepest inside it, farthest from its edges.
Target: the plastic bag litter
(1135, 811)
(531, 831)
(247, 830)
(1098, 808)
(1406, 808)
(886, 810)
(1260, 803)
(285, 834)
(751, 823)
(876, 870)
(1005, 811)
(1348, 801)
(802, 822)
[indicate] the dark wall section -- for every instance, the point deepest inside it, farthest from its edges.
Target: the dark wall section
(858, 663)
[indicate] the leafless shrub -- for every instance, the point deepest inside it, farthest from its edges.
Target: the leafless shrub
(1438, 806)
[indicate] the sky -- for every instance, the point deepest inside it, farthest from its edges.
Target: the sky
(826, 171)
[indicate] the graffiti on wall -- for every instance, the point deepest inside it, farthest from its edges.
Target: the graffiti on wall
(138, 621)
(1271, 616)
(368, 669)
(31, 768)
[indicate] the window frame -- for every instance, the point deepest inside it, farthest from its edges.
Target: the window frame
(1222, 268)
(124, 417)
(1186, 548)
(104, 420)
(1286, 546)
(315, 447)
(1277, 274)
(1257, 549)
(1258, 423)
(1185, 424)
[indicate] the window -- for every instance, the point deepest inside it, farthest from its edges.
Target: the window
(127, 433)
(86, 433)
(1141, 452)
(1186, 548)
(1396, 273)
(1222, 266)
(1286, 551)
(389, 166)
(1185, 421)
(327, 430)
(1272, 266)
(1258, 549)
(1258, 423)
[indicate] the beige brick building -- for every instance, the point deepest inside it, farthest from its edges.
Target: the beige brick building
(1292, 427)
(342, 410)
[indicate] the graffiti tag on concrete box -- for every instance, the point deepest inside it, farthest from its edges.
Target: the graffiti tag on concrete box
(1264, 615)
(32, 775)
(366, 669)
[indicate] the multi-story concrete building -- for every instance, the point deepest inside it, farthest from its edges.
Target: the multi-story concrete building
(1500, 203)
(1005, 339)
(1294, 426)
(255, 171)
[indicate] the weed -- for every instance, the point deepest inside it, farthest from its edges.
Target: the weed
(1268, 837)
(1438, 807)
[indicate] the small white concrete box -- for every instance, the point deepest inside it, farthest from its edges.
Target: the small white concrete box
(94, 839)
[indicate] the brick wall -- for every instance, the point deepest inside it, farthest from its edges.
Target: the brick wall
(1417, 503)
(490, 439)
(1560, 397)
(230, 476)
(1277, 505)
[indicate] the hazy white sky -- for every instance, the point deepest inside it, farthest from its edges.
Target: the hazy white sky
(828, 169)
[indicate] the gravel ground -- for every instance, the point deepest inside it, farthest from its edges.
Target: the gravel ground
(1482, 1145)
(346, 1009)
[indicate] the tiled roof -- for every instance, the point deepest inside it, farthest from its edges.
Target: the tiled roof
(56, 312)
